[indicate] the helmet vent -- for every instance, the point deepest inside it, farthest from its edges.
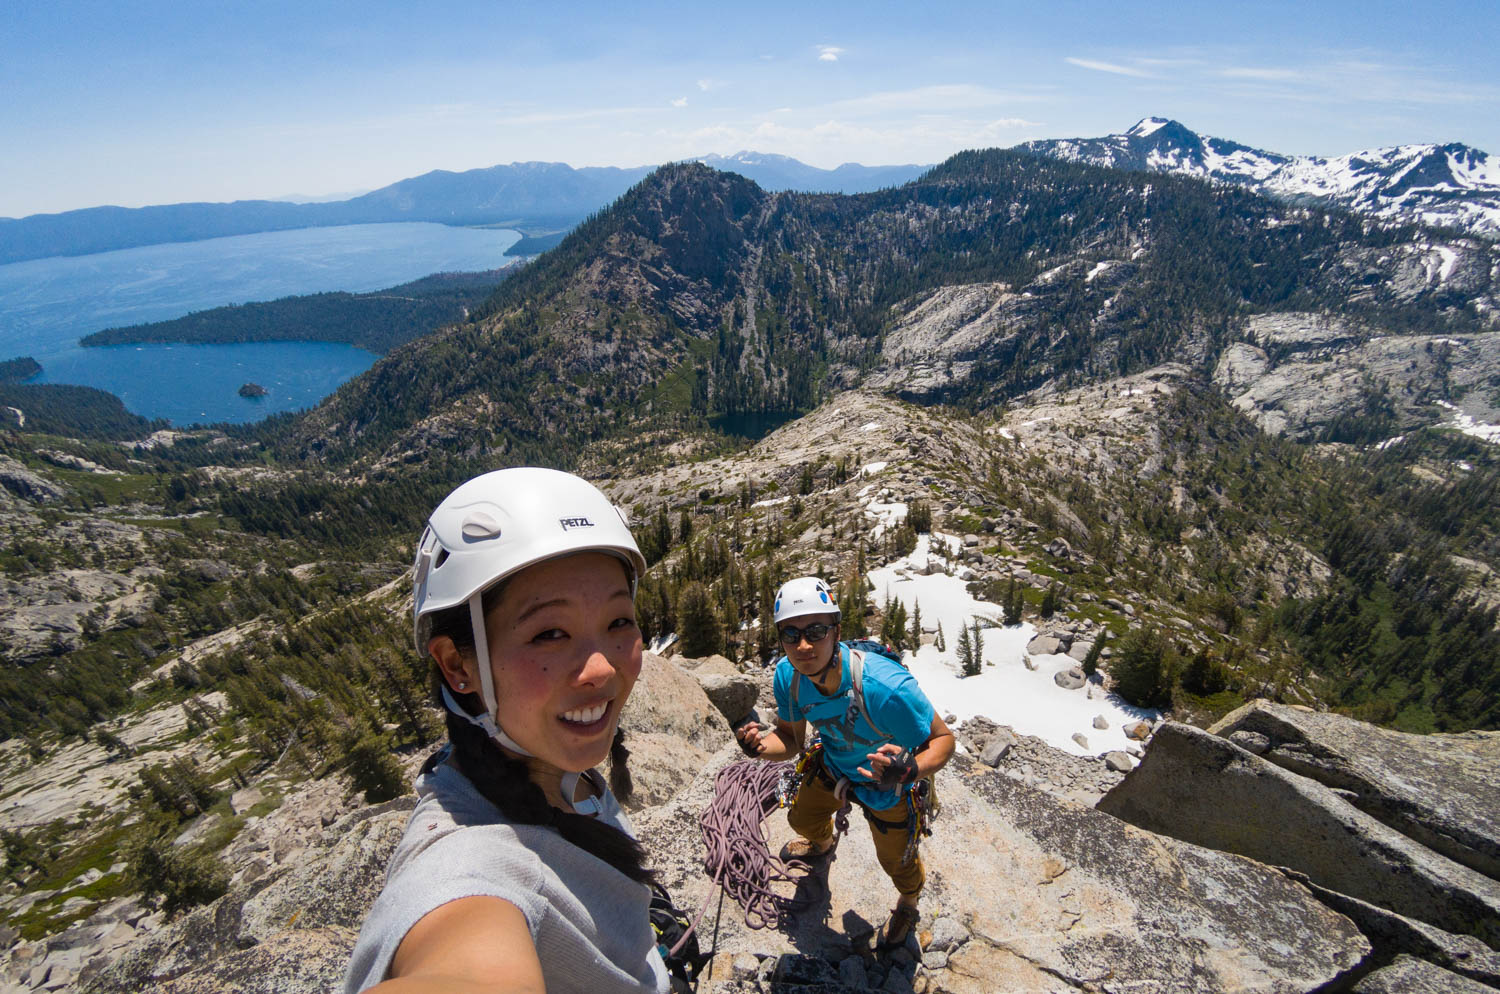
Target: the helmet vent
(479, 526)
(442, 557)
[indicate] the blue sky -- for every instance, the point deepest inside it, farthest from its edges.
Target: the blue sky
(135, 103)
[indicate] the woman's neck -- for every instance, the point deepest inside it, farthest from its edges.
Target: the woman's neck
(550, 779)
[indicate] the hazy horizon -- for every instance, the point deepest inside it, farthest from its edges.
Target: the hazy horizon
(148, 102)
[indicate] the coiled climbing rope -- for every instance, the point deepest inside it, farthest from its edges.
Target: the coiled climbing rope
(738, 858)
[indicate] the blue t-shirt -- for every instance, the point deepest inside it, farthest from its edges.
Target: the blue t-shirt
(894, 701)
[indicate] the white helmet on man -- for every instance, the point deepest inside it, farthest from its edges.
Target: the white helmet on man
(494, 526)
(803, 596)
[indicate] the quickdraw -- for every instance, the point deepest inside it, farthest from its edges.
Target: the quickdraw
(791, 780)
(921, 802)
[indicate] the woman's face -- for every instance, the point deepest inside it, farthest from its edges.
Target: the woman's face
(565, 652)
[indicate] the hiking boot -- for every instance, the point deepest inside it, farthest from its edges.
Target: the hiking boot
(805, 851)
(897, 927)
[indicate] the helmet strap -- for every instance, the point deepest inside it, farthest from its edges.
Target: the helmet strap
(490, 721)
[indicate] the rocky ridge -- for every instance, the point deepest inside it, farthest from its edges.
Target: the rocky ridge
(1076, 899)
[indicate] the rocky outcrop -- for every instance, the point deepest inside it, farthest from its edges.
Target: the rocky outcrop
(1443, 790)
(291, 930)
(1072, 898)
(1408, 975)
(15, 478)
(1305, 370)
(1204, 789)
(671, 728)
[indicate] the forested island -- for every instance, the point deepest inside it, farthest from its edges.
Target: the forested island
(378, 321)
(19, 370)
(252, 391)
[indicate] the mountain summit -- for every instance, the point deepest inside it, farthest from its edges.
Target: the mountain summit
(1452, 185)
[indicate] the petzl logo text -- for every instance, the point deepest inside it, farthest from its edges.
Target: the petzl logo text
(575, 523)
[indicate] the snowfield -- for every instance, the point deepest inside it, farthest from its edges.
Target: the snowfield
(1005, 691)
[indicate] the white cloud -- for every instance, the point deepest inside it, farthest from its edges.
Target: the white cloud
(1118, 70)
(829, 53)
(680, 102)
(707, 84)
(1251, 72)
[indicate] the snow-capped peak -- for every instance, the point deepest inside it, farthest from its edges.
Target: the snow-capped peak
(1146, 127)
(1452, 185)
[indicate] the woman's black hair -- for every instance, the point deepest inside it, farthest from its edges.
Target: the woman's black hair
(506, 783)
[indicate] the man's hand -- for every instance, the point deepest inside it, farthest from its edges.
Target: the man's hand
(890, 766)
(749, 735)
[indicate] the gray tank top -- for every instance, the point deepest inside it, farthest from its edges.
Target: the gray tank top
(589, 921)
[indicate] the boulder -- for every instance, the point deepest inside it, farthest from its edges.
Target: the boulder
(734, 696)
(1117, 761)
(671, 729)
(1044, 645)
(1204, 789)
(1069, 679)
(1250, 741)
(245, 799)
(1071, 895)
(1138, 730)
(1101, 722)
(1058, 548)
(1442, 790)
(1081, 739)
(996, 749)
(1079, 650)
(1407, 975)
(713, 664)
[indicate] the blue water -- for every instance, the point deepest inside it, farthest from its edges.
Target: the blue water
(46, 305)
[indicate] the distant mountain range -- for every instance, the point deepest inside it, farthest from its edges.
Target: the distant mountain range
(536, 197)
(1450, 185)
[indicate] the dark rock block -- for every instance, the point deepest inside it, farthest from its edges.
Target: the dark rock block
(1205, 789)
(1442, 790)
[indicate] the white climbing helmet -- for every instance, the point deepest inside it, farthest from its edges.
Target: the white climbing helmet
(803, 596)
(494, 526)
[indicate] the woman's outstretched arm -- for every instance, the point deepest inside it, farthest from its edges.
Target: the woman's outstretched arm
(475, 945)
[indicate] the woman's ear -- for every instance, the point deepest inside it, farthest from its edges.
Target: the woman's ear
(456, 668)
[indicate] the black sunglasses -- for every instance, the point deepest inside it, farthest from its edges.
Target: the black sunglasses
(814, 633)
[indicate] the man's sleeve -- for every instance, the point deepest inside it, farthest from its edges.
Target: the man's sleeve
(904, 713)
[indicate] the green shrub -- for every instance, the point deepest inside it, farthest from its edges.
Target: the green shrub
(374, 769)
(1145, 668)
(181, 877)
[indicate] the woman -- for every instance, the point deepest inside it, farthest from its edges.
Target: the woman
(518, 871)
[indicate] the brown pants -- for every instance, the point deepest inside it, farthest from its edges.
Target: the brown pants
(811, 816)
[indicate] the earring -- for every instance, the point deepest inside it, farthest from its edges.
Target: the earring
(463, 685)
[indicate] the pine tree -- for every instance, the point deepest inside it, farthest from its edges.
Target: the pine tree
(700, 630)
(976, 656)
(940, 643)
(1017, 604)
(1010, 604)
(965, 652)
(916, 625)
(1049, 601)
(1091, 658)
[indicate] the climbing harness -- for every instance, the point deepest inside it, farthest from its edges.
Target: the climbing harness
(675, 940)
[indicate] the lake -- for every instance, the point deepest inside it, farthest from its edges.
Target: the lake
(46, 305)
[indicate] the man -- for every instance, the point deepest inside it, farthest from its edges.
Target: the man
(877, 753)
